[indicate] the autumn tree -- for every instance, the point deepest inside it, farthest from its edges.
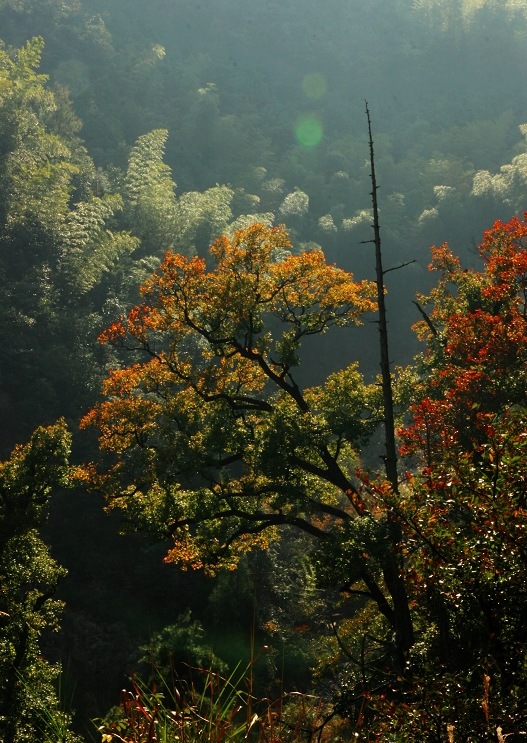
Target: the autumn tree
(208, 436)
(464, 504)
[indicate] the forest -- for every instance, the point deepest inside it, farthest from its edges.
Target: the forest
(263, 461)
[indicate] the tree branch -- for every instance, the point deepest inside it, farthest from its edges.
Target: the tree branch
(427, 320)
(396, 268)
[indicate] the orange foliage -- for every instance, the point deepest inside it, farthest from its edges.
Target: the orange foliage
(476, 361)
(218, 345)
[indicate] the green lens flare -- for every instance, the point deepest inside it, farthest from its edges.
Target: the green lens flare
(314, 85)
(309, 131)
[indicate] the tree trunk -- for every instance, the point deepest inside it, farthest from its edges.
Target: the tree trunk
(393, 570)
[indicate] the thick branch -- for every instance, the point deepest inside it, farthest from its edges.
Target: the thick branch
(379, 597)
(264, 521)
(276, 520)
(291, 388)
(335, 477)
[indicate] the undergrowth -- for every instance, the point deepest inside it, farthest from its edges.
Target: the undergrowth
(211, 708)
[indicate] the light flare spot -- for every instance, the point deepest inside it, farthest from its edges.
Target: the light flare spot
(309, 130)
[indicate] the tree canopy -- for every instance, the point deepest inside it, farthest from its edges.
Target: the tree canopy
(209, 438)
(213, 438)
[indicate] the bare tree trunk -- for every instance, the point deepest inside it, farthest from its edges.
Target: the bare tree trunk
(393, 574)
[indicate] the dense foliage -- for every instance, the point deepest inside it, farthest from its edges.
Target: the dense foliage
(241, 418)
(203, 449)
(215, 442)
(463, 506)
(30, 710)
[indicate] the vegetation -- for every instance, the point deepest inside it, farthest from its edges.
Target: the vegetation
(368, 530)
(219, 710)
(30, 708)
(445, 547)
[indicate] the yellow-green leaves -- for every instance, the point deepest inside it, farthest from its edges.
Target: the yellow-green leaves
(213, 440)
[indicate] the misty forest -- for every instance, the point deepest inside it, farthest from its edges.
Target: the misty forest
(263, 378)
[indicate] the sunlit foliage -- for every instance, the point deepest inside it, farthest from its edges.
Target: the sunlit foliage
(29, 708)
(463, 506)
(216, 396)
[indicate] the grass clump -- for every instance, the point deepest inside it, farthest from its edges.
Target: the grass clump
(212, 708)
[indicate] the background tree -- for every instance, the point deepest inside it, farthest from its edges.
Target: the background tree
(149, 191)
(55, 247)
